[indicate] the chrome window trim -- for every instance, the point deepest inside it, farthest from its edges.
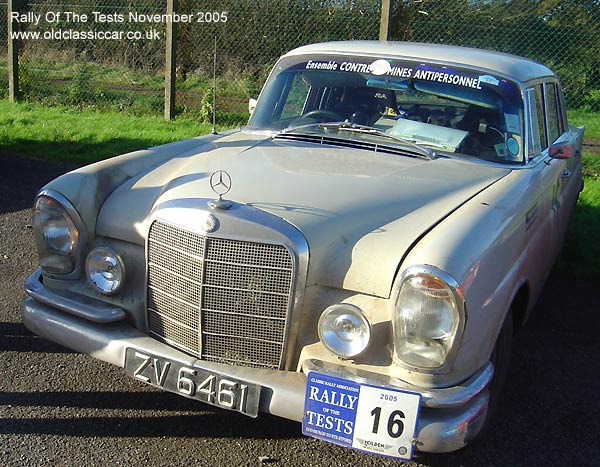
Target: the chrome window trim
(563, 126)
(527, 88)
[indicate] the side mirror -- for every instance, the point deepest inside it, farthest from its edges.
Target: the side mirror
(251, 105)
(561, 150)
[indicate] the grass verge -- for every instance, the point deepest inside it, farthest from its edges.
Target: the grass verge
(61, 133)
(588, 119)
(582, 244)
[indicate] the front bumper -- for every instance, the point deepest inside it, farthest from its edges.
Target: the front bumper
(448, 419)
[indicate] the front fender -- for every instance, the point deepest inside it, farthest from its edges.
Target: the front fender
(486, 247)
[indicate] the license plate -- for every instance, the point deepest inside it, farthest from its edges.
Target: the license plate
(375, 419)
(196, 383)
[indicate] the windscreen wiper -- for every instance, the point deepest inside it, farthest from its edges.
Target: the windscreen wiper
(366, 129)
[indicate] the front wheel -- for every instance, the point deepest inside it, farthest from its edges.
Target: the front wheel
(500, 358)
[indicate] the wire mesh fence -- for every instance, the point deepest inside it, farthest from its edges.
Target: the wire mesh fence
(565, 35)
(111, 53)
(83, 54)
(3, 51)
(248, 37)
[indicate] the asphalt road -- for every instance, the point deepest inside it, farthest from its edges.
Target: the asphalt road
(58, 408)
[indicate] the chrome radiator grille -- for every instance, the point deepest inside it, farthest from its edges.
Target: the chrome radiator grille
(221, 300)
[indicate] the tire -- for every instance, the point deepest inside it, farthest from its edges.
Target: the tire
(500, 358)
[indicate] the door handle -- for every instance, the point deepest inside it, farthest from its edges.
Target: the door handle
(566, 174)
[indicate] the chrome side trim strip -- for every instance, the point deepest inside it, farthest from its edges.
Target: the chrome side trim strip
(73, 303)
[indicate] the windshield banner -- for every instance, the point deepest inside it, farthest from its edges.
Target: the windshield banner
(424, 72)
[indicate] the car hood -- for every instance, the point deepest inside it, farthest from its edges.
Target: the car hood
(359, 210)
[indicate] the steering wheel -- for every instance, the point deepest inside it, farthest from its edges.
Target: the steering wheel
(324, 116)
(360, 118)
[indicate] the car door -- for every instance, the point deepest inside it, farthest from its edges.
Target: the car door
(546, 223)
(569, 183)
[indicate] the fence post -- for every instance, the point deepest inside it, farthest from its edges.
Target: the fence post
(170, 62)
(13, 53)
(384, 23)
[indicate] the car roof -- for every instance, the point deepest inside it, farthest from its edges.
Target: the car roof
(517, 68)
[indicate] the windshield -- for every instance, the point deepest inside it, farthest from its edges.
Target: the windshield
(454, 110)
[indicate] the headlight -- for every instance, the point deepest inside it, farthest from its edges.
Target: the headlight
(344, 330)
(428, 318)
(56, 236)
(105, 270)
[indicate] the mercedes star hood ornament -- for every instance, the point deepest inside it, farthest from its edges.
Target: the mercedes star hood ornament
(220, 182)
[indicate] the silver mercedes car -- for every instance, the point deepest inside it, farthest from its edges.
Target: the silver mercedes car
(357, 258)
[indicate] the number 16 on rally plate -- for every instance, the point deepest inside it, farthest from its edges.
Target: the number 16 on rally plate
(379, 420)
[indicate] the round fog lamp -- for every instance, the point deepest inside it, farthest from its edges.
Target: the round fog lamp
(344, 330)
(105, 270)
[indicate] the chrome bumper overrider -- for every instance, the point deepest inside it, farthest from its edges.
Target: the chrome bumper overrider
(449, 418)
(72, 302)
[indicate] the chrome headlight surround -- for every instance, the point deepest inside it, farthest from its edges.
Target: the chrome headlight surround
(60, 235)
(428, 319)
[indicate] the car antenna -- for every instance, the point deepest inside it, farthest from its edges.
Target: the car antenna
(214, 102)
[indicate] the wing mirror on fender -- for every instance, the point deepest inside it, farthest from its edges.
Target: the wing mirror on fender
(561, 150)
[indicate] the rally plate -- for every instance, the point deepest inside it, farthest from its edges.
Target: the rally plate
(196, 383)
(374, 419)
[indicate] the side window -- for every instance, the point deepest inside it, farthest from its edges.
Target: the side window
(562, 104)
(296, 98)
(537, 133)
(552, 112)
